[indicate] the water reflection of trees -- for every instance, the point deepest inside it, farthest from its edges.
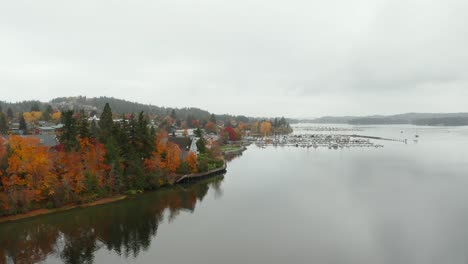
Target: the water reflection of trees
(126, 227)
(231, 157)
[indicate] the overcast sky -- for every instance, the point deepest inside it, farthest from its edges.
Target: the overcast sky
(255, 57)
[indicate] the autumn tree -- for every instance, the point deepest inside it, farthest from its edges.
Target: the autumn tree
(211, 127)
(232, 135)
(2, 150)
(28, 176)
(32, 117)
(93, 157)
(172, 158)
(192, 162)
(265, 128)
(153, 163)
(56, 116)
(166, 156)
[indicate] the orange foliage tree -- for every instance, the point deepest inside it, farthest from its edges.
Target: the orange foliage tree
(172, 158)
(265, 128)
(154, 163)
(192, 161)
(27, 177)
(93, 157)
(82, 170)
(28, 164)
(2, 148)
(211, 127)
(165, 157)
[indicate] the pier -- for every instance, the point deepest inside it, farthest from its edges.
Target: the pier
(200, 175)
(330, 141)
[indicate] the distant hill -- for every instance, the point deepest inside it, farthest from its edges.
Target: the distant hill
(24, 106)
(432, 119)
(123, 106)
(119, 106)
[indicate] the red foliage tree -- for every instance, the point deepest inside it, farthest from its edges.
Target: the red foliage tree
(232, 135)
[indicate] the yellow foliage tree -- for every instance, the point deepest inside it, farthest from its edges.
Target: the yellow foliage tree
(32, 117)
(56, 116)
(265, 128)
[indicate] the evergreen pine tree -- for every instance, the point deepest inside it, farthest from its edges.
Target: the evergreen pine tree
(83, 126)
(35, 107)
(69, 131)
(10, 113)
(47, 114)
(173, 114)
(213, 118)
(22, 124)
(106, 122)
(3, 124)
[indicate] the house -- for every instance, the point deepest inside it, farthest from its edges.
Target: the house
(181, 132)
(50, 130)
(93, 118)
(185, 145)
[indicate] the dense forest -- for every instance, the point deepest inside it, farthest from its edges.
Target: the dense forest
(93, 160)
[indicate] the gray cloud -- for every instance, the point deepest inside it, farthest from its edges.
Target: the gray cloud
(256, 57)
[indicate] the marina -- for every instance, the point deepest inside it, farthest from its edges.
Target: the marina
(335, 141)
(337, 137)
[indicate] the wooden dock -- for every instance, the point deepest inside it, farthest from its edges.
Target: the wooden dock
(201, 175)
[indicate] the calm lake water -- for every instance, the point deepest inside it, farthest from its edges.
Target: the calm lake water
(404, 203)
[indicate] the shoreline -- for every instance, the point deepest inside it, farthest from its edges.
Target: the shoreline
(107, 200)
(240, 150)
(200, 175)
(41, 212)
(178, 180)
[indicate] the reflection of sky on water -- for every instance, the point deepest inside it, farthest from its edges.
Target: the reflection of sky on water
(398, 204)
